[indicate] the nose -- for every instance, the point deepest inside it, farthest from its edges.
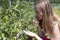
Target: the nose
(40, 16)
(41, 13)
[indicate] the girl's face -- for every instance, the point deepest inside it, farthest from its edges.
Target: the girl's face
(40, 15)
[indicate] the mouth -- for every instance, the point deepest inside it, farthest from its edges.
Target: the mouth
(40, 21)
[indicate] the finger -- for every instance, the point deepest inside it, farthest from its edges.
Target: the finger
(26, 32)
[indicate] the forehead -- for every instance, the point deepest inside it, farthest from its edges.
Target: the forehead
(40, 4)
(40, 7)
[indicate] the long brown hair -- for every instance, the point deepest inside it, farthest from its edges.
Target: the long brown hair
(48, 17)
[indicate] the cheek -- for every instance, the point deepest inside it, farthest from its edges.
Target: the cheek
(41, 17)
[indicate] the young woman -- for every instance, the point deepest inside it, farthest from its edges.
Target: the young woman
(46, 21)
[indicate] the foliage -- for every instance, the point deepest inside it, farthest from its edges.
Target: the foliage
(15, 16)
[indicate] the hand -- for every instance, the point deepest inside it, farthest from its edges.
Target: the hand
(31, 34)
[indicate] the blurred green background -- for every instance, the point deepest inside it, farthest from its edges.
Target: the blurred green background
(18, 15)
